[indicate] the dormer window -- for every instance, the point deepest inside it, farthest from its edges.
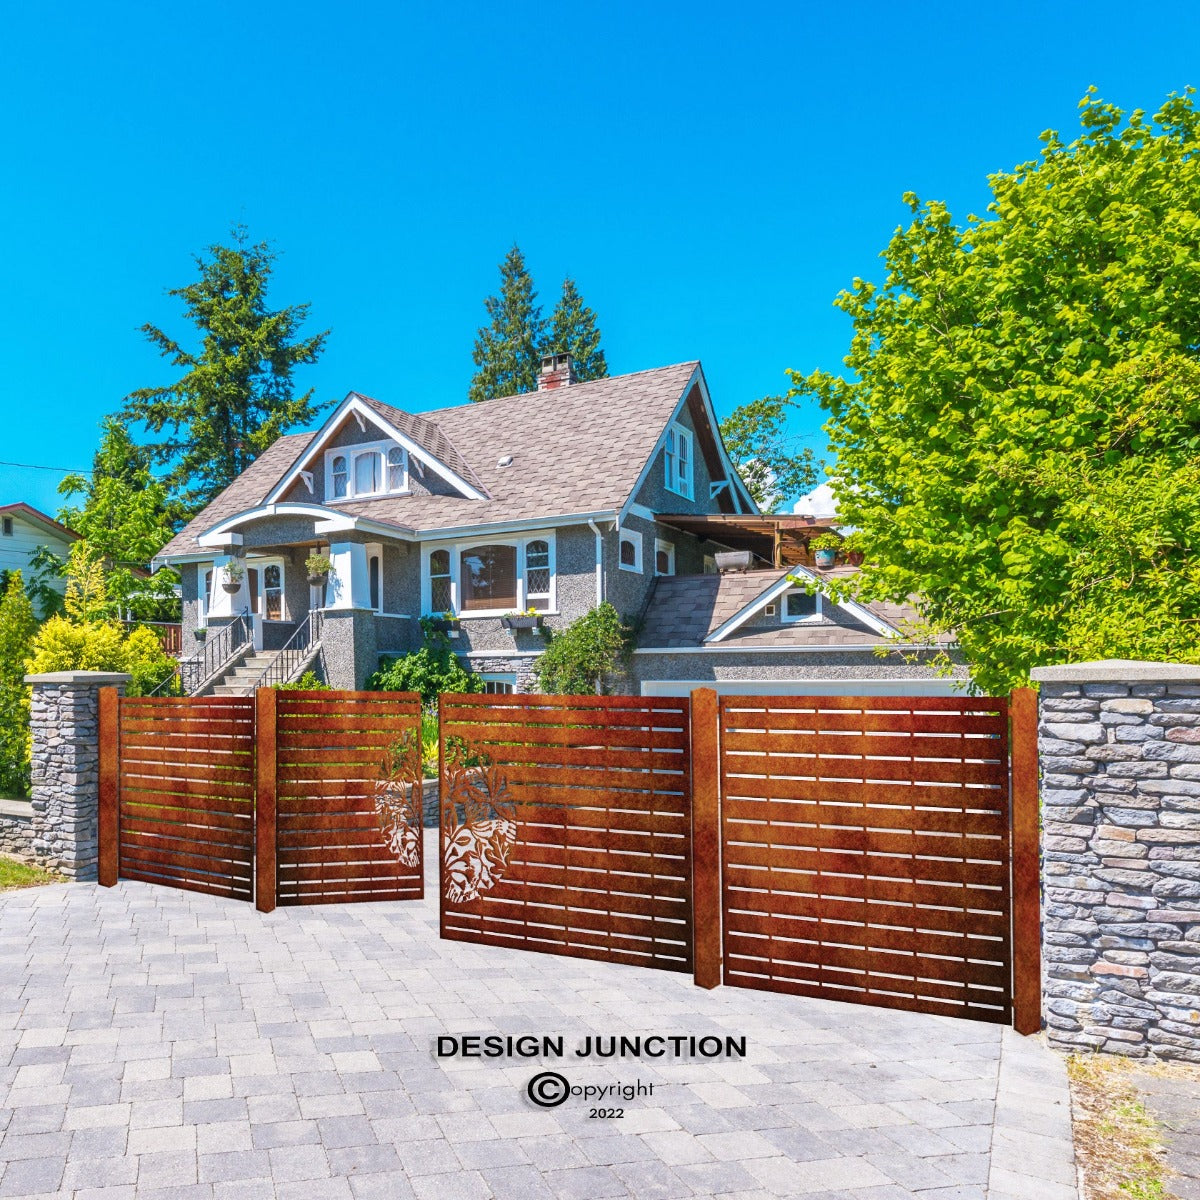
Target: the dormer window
(801, 606)
(375, 469)
(678, 461)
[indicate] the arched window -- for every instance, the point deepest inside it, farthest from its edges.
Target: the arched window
(340, 476)
(441, 598)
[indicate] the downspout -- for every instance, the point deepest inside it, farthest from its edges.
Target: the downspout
(599, 562)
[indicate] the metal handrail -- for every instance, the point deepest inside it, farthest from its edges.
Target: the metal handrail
(217, 653)
(302, 643)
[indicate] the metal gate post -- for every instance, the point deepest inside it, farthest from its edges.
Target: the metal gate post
(265, 800)
(706, 840)
(108, 829)
(1026, 864)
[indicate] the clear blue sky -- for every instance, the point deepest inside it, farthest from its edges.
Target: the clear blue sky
(711, 175)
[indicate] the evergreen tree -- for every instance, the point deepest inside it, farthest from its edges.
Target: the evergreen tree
(237, 395)
(573, 331)
(508, 352)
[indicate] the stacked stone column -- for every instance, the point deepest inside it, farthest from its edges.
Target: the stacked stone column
(1120, 758)
(66, 768)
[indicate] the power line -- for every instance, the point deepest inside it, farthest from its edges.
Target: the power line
(40, 467)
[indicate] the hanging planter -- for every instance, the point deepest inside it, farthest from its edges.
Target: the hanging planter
(232, 576)
(318, 567)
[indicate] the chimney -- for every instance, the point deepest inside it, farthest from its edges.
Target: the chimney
(557, 371)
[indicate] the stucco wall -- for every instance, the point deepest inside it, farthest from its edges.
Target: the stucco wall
(654, 494)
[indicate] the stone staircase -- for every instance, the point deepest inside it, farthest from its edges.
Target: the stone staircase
(240, 677)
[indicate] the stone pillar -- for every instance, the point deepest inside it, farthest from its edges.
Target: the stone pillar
(66, 768)
(1120, 757)
(349, 650)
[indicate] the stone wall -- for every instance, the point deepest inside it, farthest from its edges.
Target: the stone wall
(1120, 758)
(64, 720)
(16, 828)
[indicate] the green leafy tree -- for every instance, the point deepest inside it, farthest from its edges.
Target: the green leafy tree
(18, 625)
(123, 519)
(758, 441)
(508, 350)
(573, 331)
(1020, 436)
(588, 657)
(237, 393)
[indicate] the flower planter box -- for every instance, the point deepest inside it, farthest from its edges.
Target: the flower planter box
(443, 624)
(521, 622)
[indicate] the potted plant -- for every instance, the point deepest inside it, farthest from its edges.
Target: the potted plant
(529, 619)
(443, 622)
(318, 566)
(824, 548)
(200, 633)
(232, 576)
(852, 548)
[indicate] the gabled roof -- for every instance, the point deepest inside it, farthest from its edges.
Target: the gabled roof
(685, 611)
(37, 517)
(575, 451)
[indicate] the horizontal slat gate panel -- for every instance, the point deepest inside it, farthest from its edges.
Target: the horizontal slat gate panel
(331, 844)
(186, 793)
(865, 850)
(599, 789)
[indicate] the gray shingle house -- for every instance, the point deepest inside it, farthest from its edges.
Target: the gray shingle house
(545, 503)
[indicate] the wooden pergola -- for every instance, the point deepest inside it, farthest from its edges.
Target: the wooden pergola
(778, 541)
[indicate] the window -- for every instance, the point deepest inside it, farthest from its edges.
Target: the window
(8, 526)
(488, 577)
(664, 557)
(272, 577)
(801, 606)
(375, 579)
(397, 468)
(537, 575)
(678, 460)
(441, 591)
(205, 593)
(377, 469)
(340, 476)
(631, 551)
(499, 685)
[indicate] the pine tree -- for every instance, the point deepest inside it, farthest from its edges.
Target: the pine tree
(237, 396)
(508, 351)
(573, 331)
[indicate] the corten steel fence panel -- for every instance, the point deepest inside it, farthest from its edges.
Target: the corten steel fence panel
(866, 852)
(184, 793)
(348, 797)
(566, 826)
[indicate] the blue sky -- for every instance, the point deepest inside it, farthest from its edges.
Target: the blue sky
(711, 175)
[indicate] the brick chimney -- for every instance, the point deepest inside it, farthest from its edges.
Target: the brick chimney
(557, 371)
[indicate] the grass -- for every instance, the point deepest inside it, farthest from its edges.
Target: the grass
(16, 874)
(1116, 1140)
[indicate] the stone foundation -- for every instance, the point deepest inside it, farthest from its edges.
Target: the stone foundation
(1120, 759)
(16, 828)
(522, 668)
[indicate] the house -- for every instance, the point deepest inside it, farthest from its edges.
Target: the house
(545, 503)
(23, 529)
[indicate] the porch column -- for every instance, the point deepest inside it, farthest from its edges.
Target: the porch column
(348, 585)
(223, 607)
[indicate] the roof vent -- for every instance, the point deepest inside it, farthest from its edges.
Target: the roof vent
(505, 460)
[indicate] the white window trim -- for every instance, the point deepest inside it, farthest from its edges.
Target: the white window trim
(669, 547)
(203, 596)
(506, 677)
(375, 553)
(674, 480)
(639, 563)
(456, 551)
(355, 451)
(260, 565)
(813, 618)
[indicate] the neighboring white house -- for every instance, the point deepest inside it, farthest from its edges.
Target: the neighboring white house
(22, 530)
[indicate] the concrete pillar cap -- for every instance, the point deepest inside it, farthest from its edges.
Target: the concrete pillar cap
(1118, 670)
(81, 678)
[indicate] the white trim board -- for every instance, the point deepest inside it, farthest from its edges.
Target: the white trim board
(807, 687)
(744, 648)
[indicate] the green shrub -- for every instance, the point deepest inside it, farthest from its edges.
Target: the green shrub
(63, 645)
(18, 626)
(310, 681)
(429, 671)
(588, 656)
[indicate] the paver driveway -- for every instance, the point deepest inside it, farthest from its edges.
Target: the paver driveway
(162, 1044)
